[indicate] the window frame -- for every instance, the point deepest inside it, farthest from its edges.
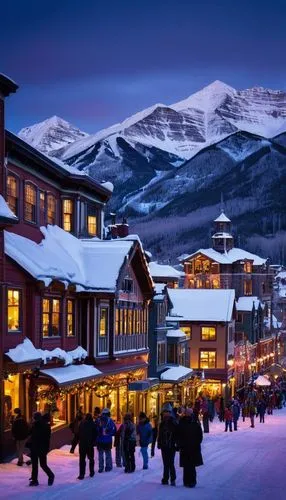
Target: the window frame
(92, 211)
(161, 352)
(43, 214)
(201, 350)
(16, 178)
(50, 195)
(35, 206)
(102, 308)
(73, 314)
(182, 327)
(208, 339)
(50, 313)
(20, 308)
(70, 214)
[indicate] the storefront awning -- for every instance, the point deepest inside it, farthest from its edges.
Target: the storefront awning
(72, 374)
(143, 385)
(176, 374)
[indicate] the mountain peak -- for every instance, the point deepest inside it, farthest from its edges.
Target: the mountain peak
(206, 99)
(51, 134)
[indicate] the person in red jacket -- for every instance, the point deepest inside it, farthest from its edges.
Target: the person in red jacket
(228, 418)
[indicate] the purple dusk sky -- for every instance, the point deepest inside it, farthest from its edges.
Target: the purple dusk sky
(96, 62)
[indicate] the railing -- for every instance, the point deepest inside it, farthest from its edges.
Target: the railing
(130, 342)
(103, 345)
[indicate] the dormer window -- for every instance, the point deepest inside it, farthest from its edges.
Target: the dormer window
(30, 203)
(128, 285)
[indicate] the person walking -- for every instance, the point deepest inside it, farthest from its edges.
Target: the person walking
(167, 441)
(118, 444)
(144, 431)
(228, 418)
(190, 436)
(261, 410)
(20, 432)
(74, 427)
(39, 443)
(128, 437)
(87, 439)
(235, 407)
(154, 434)
(105, 430)
(205, 414)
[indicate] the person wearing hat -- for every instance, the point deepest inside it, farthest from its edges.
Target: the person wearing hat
(20, 432)
(87, 438)
(40, 436)
(144, 431)
(167, 442)
(106, 428)
(128, 436)
(190, 436)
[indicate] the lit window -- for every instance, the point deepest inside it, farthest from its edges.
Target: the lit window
(248, 287)
(30, 203)
(11, 399)
(51, 209)
(207, 359)
(12, 193)
(70, 318)
(187, 331)
(117, 322)
(51, 317)
(215, 283)
(91, 225)
(208, 333)
(247, 267)
(13, 310)
(42, 208)
(68, 215)
(103, 322)
(52, 403)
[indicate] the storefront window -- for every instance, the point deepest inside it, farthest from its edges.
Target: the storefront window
(50, 402)
(11, 398)
(14, 297)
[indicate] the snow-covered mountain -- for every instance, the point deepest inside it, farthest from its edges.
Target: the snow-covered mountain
(51, 134)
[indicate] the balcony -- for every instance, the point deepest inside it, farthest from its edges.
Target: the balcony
(128, 343)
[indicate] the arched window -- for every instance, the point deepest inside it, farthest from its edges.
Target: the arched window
(51, 213)
(30, 203)
(12, 193)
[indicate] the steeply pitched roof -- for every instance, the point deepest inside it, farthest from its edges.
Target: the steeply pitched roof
(222, 218)
(201, 304)
(229, 257)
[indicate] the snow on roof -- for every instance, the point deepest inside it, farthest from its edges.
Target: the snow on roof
(5, 211)
(108, 185)
(246, 303)
(201, 304)
(230, 256)
(71, 373)
(159, 287)
(162, 270)
(175, 332)
(26, 351)
(222, 218)
(222, 235)
(91, 264)
(176, 373)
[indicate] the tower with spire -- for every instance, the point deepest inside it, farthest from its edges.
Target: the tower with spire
(222, 239)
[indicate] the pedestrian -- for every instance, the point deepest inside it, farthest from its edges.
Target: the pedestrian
(252, 413)
(39, 443)
(205, 414)
(228, 418)
(96, 413)
(154, 434)
(190, 437)
(235, 413)
(144, 431)
(167, 442)
(20, 432)
(118, 444)
(129, 443)
(221, 409)
(261, 410)
(87, 439)
(105, 430)
(74, 427)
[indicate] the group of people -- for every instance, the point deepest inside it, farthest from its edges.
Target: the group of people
(175, 432)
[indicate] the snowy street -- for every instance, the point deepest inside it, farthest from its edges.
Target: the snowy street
(245, 465)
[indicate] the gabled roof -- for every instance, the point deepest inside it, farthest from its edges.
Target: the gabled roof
(91, 265)
(222, 218)
(163, 271)
(228, 257)
(201, 305)
(247, 303)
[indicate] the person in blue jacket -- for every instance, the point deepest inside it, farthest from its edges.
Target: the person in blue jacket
(145, 433)
(105, 430)
(235, 412)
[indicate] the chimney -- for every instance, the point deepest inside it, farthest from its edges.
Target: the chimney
(7, 87)
(123, 228)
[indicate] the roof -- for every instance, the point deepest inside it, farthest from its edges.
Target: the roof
(176, 373)
(201, 305)
(176, 332)
(222, 218)
(7, 86)
(71, 374)
(163, 271)
(90, 264)
(223, 235)
(5, 212)
(26, 351)
(229, 257)
(246, 303)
